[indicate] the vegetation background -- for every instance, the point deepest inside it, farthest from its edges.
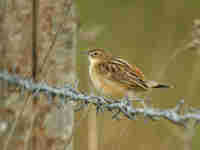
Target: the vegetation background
(149, 34)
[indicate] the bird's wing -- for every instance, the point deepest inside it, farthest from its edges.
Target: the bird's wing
(120, 71)
(132, 67)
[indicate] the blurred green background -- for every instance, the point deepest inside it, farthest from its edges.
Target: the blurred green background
(147, 33)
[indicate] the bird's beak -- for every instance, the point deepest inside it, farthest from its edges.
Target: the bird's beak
(84, 52)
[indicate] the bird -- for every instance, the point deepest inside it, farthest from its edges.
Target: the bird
(115, 77)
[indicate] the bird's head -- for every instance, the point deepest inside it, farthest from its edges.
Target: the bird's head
(98, 55)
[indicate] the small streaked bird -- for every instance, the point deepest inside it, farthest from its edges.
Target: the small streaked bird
(115, 77)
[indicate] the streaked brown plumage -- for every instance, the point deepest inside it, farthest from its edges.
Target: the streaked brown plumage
(116, 77)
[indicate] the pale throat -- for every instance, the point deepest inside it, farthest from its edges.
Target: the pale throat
(94, 62)
(93, 65)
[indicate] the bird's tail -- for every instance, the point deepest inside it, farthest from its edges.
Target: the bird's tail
(153, 84)
(163, 86)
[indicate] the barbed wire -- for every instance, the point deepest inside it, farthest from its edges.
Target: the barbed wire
(122, 106)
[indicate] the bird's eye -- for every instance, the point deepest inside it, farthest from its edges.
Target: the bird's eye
(95, 54)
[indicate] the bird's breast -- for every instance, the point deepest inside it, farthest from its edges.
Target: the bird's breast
(96, 79)
(106, 86)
